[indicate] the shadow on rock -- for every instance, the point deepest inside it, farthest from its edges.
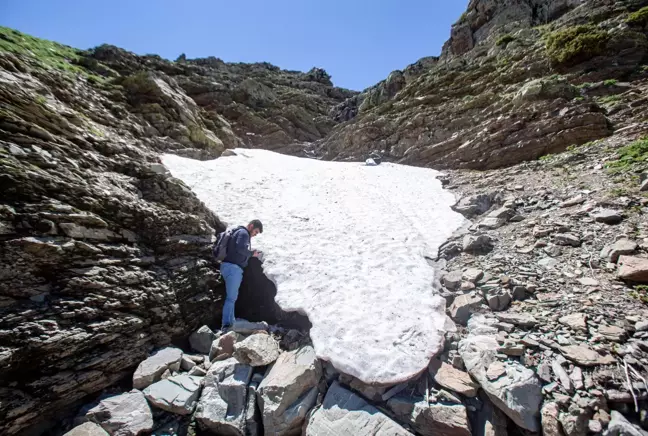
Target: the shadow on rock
(256, 300)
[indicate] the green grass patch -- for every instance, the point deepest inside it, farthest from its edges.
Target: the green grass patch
(610, 82)
(503, 40)
(639, 18)
(50, 54)
(576, 44)
(629, 157)
(609, 99)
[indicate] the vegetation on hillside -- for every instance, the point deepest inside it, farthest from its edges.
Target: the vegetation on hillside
(633, 156)
(49, 53)
(576, 44)
(504, 40)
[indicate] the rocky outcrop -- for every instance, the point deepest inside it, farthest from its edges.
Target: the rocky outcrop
(104, 256)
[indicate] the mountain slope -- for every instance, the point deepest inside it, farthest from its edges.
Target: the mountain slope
(510, 85)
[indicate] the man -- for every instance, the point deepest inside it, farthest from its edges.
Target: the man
(238, 255)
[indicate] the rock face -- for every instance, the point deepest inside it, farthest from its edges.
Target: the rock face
(344, 412)
(515, 389)
(127, 414)
(289, 390)
(222, 405)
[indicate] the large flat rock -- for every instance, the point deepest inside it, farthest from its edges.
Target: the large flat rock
(345, 413)
(177, 394)
(374, 313)
(127, 414)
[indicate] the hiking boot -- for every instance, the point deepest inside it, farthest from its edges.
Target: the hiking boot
(225, 329)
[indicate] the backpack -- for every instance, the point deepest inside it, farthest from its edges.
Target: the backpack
(221, 244)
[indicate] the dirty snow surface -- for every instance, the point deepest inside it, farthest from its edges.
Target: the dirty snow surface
(346, 245)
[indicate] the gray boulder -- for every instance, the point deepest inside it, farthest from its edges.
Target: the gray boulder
(127, 414)
(452, 280)
(515, 389)
(177, 394)
(498, 299)
(431, 420)
(474, 205)
(464, 305)
(289, 390)
(477, 243)
(222, 405)
(87, 429)
(619, 248)
(201, 339)
(150, 370)
(257, 350)
(607, 216)
(451, 378)
(345, 413)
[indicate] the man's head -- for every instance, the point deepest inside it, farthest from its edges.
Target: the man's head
(255, 227)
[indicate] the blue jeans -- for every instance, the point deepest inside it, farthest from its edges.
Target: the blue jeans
(233, 275)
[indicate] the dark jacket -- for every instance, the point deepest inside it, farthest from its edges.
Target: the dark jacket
(238, 249)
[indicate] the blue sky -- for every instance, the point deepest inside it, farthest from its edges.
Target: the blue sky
(359, 42)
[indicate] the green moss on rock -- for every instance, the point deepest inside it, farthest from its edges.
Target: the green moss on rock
(576, 44)
(638, 18)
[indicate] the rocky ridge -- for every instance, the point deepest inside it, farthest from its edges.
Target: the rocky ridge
(515, 81)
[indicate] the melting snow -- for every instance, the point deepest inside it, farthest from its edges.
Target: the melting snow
(345, 245)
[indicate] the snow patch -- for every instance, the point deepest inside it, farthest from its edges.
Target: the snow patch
(346, 245)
